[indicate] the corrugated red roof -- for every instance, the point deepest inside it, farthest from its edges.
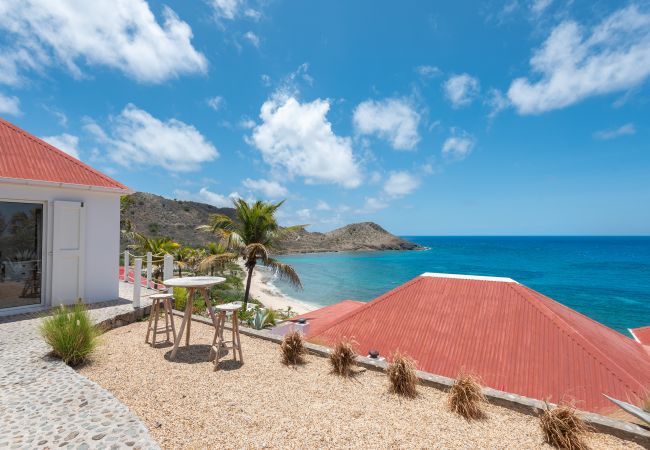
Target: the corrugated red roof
(26, 157)
(318, 320)
(514, 338)
(642, 334)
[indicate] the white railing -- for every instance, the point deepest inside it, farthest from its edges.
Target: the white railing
(150, 283)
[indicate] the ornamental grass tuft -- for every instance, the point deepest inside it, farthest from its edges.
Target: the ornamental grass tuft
(342, 358)
(293, 348)
(402, 376)
(563, 428)
(466, 398)
(71, 333)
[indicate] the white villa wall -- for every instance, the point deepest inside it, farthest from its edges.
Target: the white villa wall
(102, 235)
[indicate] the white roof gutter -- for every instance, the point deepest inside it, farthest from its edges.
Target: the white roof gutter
(83, 187)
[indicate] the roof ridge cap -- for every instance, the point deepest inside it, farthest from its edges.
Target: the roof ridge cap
(550, 315)
(72, 159)
(371, 303)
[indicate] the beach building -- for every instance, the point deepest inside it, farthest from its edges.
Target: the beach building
(514, 338)
(59, 226)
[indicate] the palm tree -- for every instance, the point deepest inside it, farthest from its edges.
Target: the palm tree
(253, 233)
(182, 256)
(216, 256)
(158, 247)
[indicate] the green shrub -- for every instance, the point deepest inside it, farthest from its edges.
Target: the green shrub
(180, 298)
(180, 301)
(271, 317)
(70, 333)
(245, 316)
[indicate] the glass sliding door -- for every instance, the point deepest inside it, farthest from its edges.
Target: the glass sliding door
(21, 244)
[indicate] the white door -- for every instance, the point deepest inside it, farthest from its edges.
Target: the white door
(68, 252)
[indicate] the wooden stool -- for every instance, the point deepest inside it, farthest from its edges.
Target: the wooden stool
(166, 300)
(218, 342)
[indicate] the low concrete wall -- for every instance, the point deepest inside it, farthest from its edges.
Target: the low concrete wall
(624, 430)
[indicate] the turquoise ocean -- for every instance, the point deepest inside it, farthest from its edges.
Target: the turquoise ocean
(605, 278)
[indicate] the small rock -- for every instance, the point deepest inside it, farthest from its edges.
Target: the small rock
(98, 436)
(71, 436)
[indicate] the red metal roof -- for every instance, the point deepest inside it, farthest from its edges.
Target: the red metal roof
(26, 157)
(642, 334)
(514, 338)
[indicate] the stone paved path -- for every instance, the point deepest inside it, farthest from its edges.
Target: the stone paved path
(46, 404)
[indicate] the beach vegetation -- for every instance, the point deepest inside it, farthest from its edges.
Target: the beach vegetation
(215, 258)
(258, 320)
(342, 358)
(466, 398)
(70, 333)
(401, 375)
(253, 234)
(293, 349)
(563, 428)
(271, 317)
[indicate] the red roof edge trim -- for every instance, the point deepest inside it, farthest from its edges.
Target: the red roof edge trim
(118, 186)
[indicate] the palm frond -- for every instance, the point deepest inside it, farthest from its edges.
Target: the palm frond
(211, 260)
(256, 250)
(284, 272)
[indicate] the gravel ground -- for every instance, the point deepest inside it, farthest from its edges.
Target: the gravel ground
(263, 404)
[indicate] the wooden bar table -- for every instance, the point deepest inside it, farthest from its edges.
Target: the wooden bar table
(192, 284)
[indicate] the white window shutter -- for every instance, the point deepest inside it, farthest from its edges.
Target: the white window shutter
(68, 251)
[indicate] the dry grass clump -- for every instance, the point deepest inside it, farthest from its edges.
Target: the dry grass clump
(466, 398)
(293, 348)
(342, 358)
(563, 428)
(71, 333)
(402, 377)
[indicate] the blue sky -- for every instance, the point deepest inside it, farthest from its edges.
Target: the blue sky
(515, 117)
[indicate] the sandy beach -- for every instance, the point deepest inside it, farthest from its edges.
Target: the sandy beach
(270, 296)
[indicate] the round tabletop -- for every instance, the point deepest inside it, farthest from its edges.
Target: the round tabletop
(193, 282)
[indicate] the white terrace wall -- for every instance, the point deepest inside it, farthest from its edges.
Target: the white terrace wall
(102, 235)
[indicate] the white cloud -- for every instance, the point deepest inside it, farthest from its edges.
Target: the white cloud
(247, 124)
(121, 34)
(539, 6)
(298, 138)
(66, 142)
(252, 38)
(575, 63)
(215, 102)
(270, 189)
(227, 9)
(138, 138)
(393, 119)
(322, 206)
(623, 130)
(400, 183)
(231, 9)
(459, 145)
(428, 71)
(252, 14)
(461, 89)
(207, 196)
(303, 214)
(9, 105)
(496, 101)
(373, 204)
